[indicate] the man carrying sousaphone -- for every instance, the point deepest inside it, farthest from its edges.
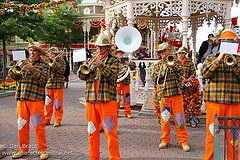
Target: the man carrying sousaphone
(101, 98)
(55, 87)
(167, 75)
(123, 84)
(30, 95)
(222, 95)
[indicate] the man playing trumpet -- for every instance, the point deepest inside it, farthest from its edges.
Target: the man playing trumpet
(167, 75)
(101, 97)
(30, 96)
(222, 95)
(55, 87)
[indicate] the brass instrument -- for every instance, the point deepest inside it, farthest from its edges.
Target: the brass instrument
(87, 67)
(18, 68)
(230, 60)
(125, 70)
(170, 59)
(51, 61)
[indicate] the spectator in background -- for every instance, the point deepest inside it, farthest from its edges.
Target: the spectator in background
(216, 44)
(142, 53)
(88, 53)
(67, 72)
(205, 49)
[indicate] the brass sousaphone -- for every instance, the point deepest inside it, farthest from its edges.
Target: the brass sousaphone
(128, 39)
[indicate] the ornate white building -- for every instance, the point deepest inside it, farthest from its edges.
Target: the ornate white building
(158, 14)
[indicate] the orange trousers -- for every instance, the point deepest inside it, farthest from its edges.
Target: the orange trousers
(55, 97)
(25, 111)
(173, 105)
(105, 113)
(220, 109)
(124, 89)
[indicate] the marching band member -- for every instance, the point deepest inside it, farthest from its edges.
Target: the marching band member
(168, 78)
(55, 88)
(188, 66)
(30, 94)
(101, 97)
(123, 87)
(222, 96)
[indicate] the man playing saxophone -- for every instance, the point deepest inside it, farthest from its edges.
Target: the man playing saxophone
(222, 95)
(101, 97)
(55, 87)
(167, 75)
(30, 96)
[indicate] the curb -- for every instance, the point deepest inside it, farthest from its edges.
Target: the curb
(8, 93)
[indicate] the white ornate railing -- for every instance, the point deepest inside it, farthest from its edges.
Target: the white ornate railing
(139, 92)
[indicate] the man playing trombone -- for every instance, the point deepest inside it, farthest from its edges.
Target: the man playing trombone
(167, 75)
(100, 75)
(222, 95)
(55, 87)
(30, 94)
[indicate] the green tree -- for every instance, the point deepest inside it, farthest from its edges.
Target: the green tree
(59, 28)
(16, 21)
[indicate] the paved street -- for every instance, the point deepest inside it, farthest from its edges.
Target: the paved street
(138, 137)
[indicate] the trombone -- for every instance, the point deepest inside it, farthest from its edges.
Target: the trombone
(87, 67)
(51, 61)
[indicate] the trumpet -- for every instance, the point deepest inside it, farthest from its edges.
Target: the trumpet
(230, 60)
(87, 67)
(18, 68)
(170, 59)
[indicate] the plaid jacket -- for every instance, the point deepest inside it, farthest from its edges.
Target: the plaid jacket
(189, 69)
(107, 88)
(31, 84)
(56, 78)
(173, 81)
(223, 82)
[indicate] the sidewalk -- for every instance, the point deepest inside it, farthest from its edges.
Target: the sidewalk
(139, 137)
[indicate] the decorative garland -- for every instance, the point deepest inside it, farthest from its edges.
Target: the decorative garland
(95, 23)
(142, 25)
(25, 8)
(78, 24)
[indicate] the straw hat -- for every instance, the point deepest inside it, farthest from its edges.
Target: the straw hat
(182, 50)
(162, 46)
(228, 34)
(36, 45)
(102, 40)
(53, 50)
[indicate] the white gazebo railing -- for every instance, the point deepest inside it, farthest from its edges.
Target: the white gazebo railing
(140, 92)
